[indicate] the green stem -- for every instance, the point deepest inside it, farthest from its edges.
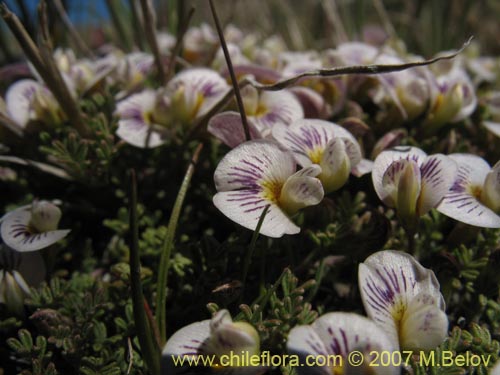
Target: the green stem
(149, 17)
(161, 285)
(251, 248)
(149, 350)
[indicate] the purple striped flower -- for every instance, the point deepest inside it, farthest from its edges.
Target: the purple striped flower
(403, 298)
(412, 182)
(257, 174)
(474, 197)
(212, 339)
(330, 340)
(323, 143)
(32, 227)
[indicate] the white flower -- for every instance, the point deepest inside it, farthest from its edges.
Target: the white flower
(27, 100)
(339, 334)
(412, 182)
(323, 143)
(142, 119)
(474, 198)
(403, 298)
(32, 227)
(13, 291)
(213, 338)
(257, 174)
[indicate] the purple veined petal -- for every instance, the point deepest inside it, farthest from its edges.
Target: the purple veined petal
(391, 180)
(386, 158)
(134, 125)
(245, 208)
(438, 173)
(424, 325)
(227, 127)
(250, 164)
(18, 235)
(491, 189)
(187, 342)
(18, 100)
(307, 138)
(365, 166)
(304, 341)
(338, 334)
(313, 170)
(462, 201)
(135, 133)
(389, 280)
(276, 107)
(389, 140)
(313, 104)
(200, 81)
(493, 127)
(335, 164)
(299, 192)
(468, 94)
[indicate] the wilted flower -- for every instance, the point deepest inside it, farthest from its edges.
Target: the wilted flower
(32, 227)
(403, 299)
(257, 174)
(332, 337)
(474, 197)
(412, 182)
(324, 143)
(213, 338)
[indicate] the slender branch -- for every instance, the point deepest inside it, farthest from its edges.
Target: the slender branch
(231, 72)
(178, 43)
(149, 23)
(80, 44)
(123, 36)
(168, 245)
(345, 70)
(149, 350)
(137, 24)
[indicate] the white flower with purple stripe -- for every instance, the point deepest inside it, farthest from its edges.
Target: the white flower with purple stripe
(474, 197)
(32, 227)
(403, 298)
(330, 340)
(257, 174)
(214, 337)
(412, 182)
(323, 143)
(142, 119)
(193, 92)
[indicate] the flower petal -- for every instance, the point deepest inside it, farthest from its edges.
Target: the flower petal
(228, 128)
(247, 165)
(205, 82)
(386, 158)
(186, 342)
(438, 172)
(18, 100)
(493, 127)
(461, 203)
(364, 166)
(305, 137)
(425, 326)
(336, 163)
(246, 207)
(278, 107)
(314, 104)
(389, 281)
(17, 234)
(339, 334)
(392, 179)
(299, 192)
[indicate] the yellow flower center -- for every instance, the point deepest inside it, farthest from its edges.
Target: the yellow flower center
(316, 155)
(272, 190)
